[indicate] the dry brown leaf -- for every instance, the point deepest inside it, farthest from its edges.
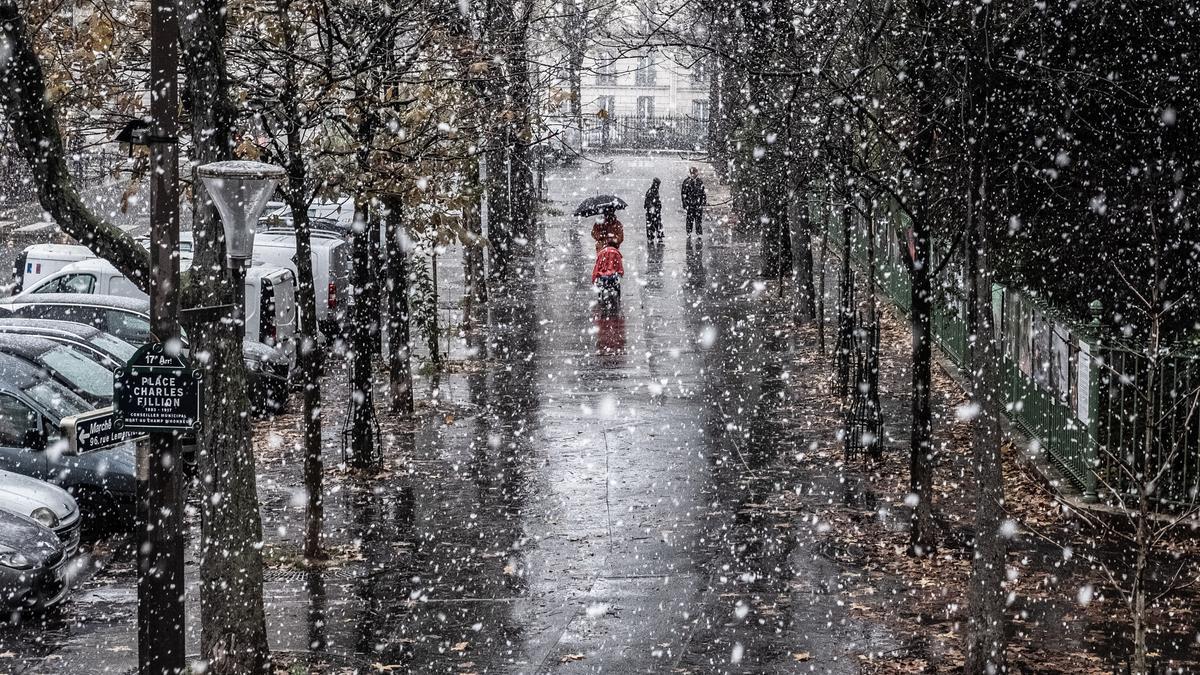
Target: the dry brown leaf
(460, 646)
(571, 657)
(801, 656)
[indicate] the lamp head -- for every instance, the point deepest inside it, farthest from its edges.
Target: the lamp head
(240, 190)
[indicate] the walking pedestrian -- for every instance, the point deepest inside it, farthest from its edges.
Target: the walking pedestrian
(653, 204)
(694, 201)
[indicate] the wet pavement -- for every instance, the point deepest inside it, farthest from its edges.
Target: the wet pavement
(587, 490)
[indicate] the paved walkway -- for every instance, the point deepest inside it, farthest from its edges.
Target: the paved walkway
(593, 499)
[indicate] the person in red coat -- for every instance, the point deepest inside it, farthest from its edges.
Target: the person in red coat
(609, 266)
(608, 231)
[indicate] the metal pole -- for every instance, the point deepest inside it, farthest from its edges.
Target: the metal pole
(238, 270)
(161, 586)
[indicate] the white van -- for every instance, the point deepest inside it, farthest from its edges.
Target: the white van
(39, 261)
(340, 210)
(331, 270)
(270, 293)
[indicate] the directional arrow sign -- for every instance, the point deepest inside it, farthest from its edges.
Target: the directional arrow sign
(95, 430)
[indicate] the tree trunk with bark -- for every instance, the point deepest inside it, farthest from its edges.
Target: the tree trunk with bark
(309, 357)
(233, 635)
(985, 594)
(364, 321)
(806, 294)
(399, 336)
(927, 67)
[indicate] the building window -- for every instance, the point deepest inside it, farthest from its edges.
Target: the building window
(607, 103)
(646, 72)
(606, 69)
(700, 72)
(700, 110)
(645, 107)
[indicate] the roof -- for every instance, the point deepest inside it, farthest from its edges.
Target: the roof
(56, 251)
(89, 265)
(16, 373)
(25, 346)
(80, 330)
(286, 238)
(139, 305)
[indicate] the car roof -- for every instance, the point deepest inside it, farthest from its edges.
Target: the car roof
(16, 373)
(26, 346)
(48, 326)
(57, 250)
(88, 265)
(287, 237)
(138, 305)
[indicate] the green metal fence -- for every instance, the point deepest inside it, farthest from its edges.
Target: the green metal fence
(1080, 394)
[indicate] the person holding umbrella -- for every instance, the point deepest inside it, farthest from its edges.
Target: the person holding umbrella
(606, 229)
(609, 233)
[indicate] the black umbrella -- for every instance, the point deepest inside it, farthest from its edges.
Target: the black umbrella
(599, 204)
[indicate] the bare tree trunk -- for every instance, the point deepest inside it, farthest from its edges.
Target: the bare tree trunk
(474, 268)
(922, 537)
(309, 362)
(1142, 542)
(363, 324)
(399, 337)
(233, 635)
(806, 308)
(985, 641)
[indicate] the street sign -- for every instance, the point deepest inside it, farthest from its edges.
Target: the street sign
(157, 391)
(93, 430)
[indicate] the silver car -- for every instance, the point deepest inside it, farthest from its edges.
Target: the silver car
(49, 505)
(33, 566)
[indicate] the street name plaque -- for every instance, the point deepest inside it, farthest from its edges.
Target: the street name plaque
(157, 391)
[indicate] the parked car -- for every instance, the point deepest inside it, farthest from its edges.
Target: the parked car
(39, 261)
(331, 271)
(110, 350)
(33, 565)
(270, 295)
(70, 366)
(129, 320)
(31, 412)
(48, 505)
(335, 214)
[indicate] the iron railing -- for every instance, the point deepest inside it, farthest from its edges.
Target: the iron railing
(1082, 394)
(636, 132)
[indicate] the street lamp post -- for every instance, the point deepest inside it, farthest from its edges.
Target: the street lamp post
(240, 190)
(161, 584)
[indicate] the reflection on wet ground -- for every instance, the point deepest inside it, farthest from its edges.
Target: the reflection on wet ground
(597, 499)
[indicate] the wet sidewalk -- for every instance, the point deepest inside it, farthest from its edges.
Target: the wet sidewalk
(595, 494)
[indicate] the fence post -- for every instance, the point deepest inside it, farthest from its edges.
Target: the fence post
(1095, 369)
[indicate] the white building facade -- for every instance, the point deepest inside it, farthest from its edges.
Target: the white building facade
(654, 83)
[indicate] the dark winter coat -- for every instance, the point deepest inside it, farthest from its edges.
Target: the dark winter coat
(693, 194)
(653, 202)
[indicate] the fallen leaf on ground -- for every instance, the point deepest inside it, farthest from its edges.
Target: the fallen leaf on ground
(571, 657)
(460, 646)
(801, 656)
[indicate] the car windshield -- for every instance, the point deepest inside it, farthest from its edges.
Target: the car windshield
(83, 373)
(115, 347)
(59, 401)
